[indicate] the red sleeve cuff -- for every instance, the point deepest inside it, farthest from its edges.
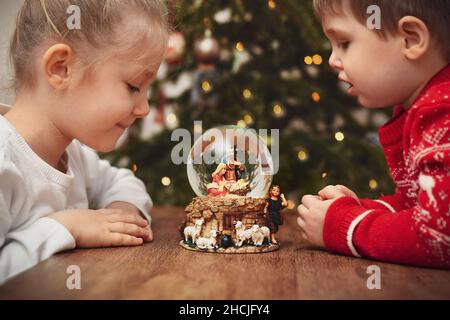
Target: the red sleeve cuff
(376, 205)
(338, 219)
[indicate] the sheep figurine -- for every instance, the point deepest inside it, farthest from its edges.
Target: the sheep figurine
(193, 231)
(259, 234)
(242, 234)
(208, 243)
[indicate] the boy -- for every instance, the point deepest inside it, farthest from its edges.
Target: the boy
(405, 64)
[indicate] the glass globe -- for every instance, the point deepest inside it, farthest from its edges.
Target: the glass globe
(231, 147)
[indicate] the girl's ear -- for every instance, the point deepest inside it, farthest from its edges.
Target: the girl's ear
(57, 65)
(416, 37)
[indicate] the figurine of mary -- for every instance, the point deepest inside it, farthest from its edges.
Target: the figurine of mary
(218, 185)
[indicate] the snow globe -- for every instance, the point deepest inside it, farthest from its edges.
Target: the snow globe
(230, 169)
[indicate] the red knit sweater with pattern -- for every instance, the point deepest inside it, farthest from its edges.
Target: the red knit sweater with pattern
(413, 225)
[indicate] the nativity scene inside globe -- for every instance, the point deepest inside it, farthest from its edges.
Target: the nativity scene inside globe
(230, 169)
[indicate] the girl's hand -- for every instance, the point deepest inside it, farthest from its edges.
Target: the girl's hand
(103, 228)
(311, 218)
(129, 208)
(283, 200)
(338, 191)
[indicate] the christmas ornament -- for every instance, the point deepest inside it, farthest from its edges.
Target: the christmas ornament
(223, 16)
(206, 77)
(207, 50)
(175, 48)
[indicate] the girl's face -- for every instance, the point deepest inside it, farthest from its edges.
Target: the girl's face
(275, 192)
(98, 111)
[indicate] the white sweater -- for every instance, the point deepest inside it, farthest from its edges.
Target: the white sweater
(30, 190)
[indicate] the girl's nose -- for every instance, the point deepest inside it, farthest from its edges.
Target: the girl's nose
(142, 109)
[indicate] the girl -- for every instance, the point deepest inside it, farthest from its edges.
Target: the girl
(275, 203)
(75, 88)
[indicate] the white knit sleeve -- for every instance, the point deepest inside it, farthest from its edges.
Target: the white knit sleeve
(107, 184)
(24, 247)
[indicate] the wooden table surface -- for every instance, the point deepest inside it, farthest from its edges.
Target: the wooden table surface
(164, 270)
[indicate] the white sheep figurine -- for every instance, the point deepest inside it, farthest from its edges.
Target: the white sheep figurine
(242, 234)
(259, 234)
(207, 243)
(193, 231)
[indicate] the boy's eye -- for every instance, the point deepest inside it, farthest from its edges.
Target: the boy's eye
(343, 45)
(133, 88)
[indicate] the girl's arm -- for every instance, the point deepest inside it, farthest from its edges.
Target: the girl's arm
(107, 184)
(34, 241)
(283, 202)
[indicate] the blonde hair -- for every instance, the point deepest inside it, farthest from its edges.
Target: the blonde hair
(435, 14)
(42, 23)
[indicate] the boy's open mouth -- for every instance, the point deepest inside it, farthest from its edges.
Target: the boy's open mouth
(348, 87)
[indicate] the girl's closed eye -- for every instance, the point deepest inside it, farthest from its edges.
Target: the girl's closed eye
(133, 89)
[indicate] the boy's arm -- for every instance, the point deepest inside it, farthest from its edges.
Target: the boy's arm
(392, 203)
(107, 184)
(419, 235)
(379, 234)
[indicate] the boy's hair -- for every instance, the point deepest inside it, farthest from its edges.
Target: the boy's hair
(434, 13)
(42, 23)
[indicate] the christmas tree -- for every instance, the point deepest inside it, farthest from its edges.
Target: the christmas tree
(262, 65)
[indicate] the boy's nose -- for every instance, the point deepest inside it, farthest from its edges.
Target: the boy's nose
(335, 62)
(142, 109)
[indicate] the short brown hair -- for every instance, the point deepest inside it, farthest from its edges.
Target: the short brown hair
(42, 23)
(435, 14)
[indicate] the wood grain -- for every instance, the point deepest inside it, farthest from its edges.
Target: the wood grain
(164, 270)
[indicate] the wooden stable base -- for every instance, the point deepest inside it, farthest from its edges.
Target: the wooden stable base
(232, 250)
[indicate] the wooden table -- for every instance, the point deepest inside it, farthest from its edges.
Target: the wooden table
(164, 270)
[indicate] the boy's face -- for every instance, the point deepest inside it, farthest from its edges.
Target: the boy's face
(375, 68)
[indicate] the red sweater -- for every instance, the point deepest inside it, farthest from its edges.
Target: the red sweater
(413, 225)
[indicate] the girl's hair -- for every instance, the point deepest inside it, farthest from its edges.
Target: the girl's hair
(107, 26)
(435, 14)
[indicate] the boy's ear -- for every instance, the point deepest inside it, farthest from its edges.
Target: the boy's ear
(416, 37)
(57, 65)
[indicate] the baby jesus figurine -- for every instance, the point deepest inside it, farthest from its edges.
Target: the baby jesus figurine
(234, 169)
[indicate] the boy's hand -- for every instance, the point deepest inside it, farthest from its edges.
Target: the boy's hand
(103, 228)
(311, 218)
(335, 192)
(129, 208)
